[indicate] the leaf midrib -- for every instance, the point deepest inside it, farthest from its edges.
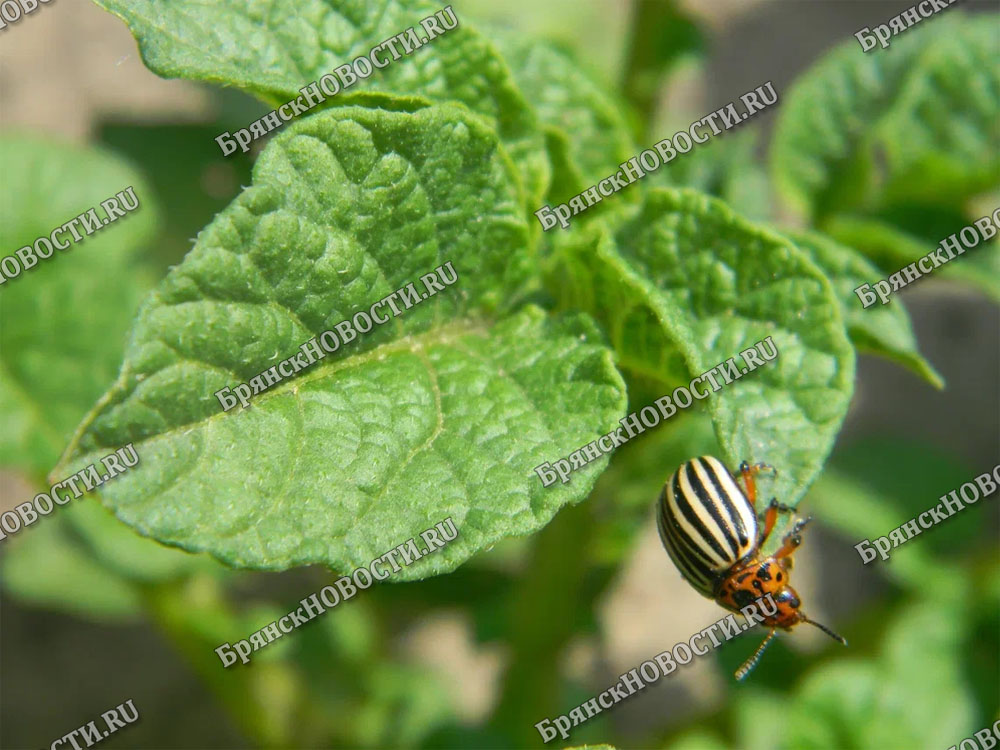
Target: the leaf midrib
(415, 344)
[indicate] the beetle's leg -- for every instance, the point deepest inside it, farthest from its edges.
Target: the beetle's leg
(769, 518)
(748, 473)
(773, 509)
(792, 539)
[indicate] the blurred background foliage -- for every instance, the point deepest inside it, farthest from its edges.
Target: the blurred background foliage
(94, 614)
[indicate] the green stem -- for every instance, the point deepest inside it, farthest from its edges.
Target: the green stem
(542, 620)
(260, 696)
(659, 34)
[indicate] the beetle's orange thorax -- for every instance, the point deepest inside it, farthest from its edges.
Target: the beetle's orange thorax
(756, 578)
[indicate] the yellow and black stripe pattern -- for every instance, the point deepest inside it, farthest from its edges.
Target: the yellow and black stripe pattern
(706, 522)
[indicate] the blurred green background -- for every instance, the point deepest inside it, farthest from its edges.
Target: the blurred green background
(536, 626)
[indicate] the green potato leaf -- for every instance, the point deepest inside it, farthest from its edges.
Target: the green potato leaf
(687, 284)
(917, 121)
(941, 137)
(445, 411)
(59, 349)
(882, 329)
(272, 51)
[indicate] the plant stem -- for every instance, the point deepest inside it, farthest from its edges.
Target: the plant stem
(542, 619)
(258, 697)
(659, 34)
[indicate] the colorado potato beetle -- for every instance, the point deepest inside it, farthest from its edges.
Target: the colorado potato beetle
(710, 529)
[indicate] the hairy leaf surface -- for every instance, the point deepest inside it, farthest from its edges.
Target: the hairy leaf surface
(274, 49)
(578, 113)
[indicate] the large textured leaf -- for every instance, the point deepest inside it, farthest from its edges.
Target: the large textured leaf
(439, 413)
(915, 121)
(685, 285)
(274, 49)
(576, 111)
(882, 329)
(63, 321)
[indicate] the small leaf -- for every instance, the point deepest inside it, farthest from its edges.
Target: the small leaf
(899, 701)
(59, 348)
(687, 284)
(581, 114)
(917, 121)
(272, 51)
(439, 413)
(756, 712)
(881, 329)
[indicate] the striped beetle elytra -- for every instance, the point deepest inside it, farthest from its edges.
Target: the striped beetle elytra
(710, 529)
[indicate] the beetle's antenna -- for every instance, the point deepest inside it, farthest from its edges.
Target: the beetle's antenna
(825, 629)
(750, 663)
